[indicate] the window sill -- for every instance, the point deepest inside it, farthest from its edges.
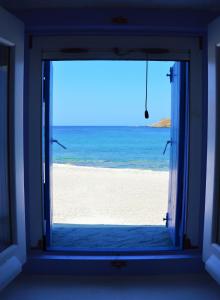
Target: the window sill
(63, 264)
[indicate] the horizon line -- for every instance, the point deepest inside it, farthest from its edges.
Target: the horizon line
(101, 125)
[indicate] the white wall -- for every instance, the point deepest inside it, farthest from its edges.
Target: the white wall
(12, 34)
(211, 249)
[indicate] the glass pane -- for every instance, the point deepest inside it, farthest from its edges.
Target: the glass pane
(5, 218)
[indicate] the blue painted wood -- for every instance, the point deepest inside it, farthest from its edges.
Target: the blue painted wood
(184, 154)
(174, 153)
(5, 205)
(178, 159)
(48, 100)
(105, 265)
(178, 153)
(63, 21)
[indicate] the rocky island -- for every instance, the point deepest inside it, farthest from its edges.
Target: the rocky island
(164, 123)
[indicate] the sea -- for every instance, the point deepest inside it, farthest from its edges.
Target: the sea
(121, 147)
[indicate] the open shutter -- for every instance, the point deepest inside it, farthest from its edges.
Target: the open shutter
(178, 80)
(12, 209)
(48, 101)
(211, 242)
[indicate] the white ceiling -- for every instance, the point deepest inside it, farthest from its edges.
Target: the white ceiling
(210, 5)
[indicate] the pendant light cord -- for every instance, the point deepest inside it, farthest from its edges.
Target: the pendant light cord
(146, 81)
(146, 85)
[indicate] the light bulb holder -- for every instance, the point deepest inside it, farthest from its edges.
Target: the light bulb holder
(146, 114)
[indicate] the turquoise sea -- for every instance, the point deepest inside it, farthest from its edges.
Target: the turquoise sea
(112, 146)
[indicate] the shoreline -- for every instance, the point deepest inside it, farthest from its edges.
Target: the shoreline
(69, 165)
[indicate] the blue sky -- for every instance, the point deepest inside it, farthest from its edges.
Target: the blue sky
(109, 92)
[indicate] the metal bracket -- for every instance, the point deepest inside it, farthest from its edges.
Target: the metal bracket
(165, 149)
(170, 74)
(166, 219)
(58, 143)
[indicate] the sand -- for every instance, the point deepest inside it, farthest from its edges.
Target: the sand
(88, 195)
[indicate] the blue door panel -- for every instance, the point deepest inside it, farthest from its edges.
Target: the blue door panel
(179, 78)
(48, 99)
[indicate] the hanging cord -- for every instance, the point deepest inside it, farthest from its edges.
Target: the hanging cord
(146, 114)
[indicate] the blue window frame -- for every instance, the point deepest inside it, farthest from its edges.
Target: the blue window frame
(5, 205)
(182, 164)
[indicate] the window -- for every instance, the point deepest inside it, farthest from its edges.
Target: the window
(137, 48)
(109, 186)
(5, 209)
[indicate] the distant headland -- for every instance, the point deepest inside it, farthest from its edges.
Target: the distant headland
(164, 123)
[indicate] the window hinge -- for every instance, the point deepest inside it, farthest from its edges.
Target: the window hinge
(166, 219)
(170, 75)
(40, 244)
(187, 243)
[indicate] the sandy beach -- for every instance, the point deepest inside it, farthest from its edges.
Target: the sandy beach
(89, 195)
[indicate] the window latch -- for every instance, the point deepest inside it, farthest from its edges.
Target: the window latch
(165, 149)
(166, 219)
(58, 143)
